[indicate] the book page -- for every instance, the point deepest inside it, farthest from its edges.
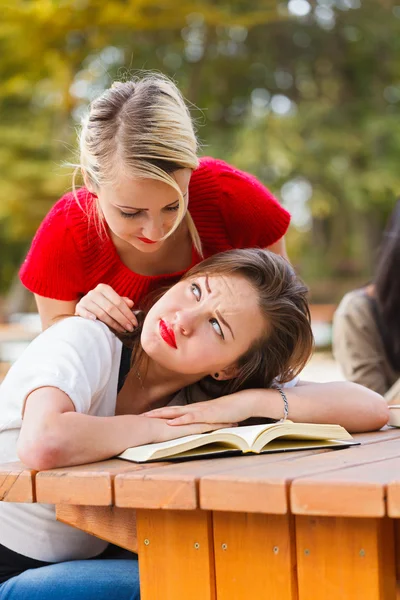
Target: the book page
(301, 431)
(229, 437)
(250, 433)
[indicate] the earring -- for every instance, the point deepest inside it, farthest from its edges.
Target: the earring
(216, 375)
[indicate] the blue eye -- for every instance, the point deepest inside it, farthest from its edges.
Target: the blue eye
(217, 328)
(172, 208)
(196, 291)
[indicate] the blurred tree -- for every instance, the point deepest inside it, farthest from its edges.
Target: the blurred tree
(54, 58)
(309, 104)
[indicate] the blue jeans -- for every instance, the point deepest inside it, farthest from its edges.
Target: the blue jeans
(92, 579)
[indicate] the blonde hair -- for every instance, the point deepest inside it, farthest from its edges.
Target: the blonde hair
(141, 128)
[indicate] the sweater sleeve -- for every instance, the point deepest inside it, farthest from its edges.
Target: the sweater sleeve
(53, 267)
(253, 216)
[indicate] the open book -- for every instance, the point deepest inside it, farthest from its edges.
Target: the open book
(255, 439)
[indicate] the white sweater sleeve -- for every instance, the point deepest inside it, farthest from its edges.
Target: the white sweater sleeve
(75, 355)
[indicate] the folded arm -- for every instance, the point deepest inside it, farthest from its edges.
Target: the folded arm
(354, 407)
(54, 435)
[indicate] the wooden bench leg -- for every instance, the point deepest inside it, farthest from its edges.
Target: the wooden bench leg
(176, 559)
(254, 557)
(346, 558)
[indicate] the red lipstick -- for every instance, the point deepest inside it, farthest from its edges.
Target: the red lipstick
(167, 334)
(146, 241)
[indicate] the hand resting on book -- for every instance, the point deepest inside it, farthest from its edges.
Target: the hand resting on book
(227, 409)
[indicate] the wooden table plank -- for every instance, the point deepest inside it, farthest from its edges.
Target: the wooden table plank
(352, 492)
(17, 483)
(84, 484)
(263, 487)
(393, 498)
(175, 486)
(375, 437)
(147, 486)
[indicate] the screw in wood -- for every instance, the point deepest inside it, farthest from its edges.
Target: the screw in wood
(307, 552)
(197, 545)
(224, 546)
(275, 549)
(362, 552)
(146, 542)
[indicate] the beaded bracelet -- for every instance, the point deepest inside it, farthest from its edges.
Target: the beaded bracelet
(285, 403)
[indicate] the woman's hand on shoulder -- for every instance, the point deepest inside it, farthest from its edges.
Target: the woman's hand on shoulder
(104, 304)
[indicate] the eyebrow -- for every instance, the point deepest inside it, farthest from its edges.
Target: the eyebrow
(217, 311)
(146, 209)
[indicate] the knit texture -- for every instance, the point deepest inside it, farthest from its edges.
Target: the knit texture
(69, 256)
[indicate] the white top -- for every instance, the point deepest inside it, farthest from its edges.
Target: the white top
(86, 368)
(81, 358)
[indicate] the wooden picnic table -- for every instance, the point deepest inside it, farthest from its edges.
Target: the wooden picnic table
(309, 525)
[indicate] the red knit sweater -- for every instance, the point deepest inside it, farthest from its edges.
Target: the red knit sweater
(68, 257)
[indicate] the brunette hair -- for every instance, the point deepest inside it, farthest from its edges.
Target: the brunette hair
(285, 345)
(142, 128)
(387, 288)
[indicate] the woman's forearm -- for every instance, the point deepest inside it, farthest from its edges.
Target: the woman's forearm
(71, 438)
(53, 435)
(353, 406)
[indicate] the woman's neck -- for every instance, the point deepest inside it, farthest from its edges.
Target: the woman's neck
(149, 385)
(154, 376)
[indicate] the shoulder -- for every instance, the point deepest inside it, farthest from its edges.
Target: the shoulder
(78, 345)
(354, 320)
(68, 215)
(232, 181)
(76, 340)
(82, 334)
(78, 356)
(354, 304)
(69, 210)
(251, 214)
(55, 265)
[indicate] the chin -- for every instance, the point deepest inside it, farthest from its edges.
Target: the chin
(159, 352)
(152, 344)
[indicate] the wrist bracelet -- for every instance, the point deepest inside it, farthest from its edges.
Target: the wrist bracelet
(285, 403)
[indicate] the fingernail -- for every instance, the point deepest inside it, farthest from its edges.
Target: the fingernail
(129, 327)
(92, 317)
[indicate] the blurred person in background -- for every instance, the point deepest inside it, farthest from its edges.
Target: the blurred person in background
(366, 328)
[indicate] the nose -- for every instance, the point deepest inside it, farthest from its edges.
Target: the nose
(154, 229)
(187, 320)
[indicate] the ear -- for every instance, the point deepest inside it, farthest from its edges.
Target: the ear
(226, 374)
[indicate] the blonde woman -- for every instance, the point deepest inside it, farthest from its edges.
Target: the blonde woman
(149, 211)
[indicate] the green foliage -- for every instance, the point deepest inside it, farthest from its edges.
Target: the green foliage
(310, 105)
